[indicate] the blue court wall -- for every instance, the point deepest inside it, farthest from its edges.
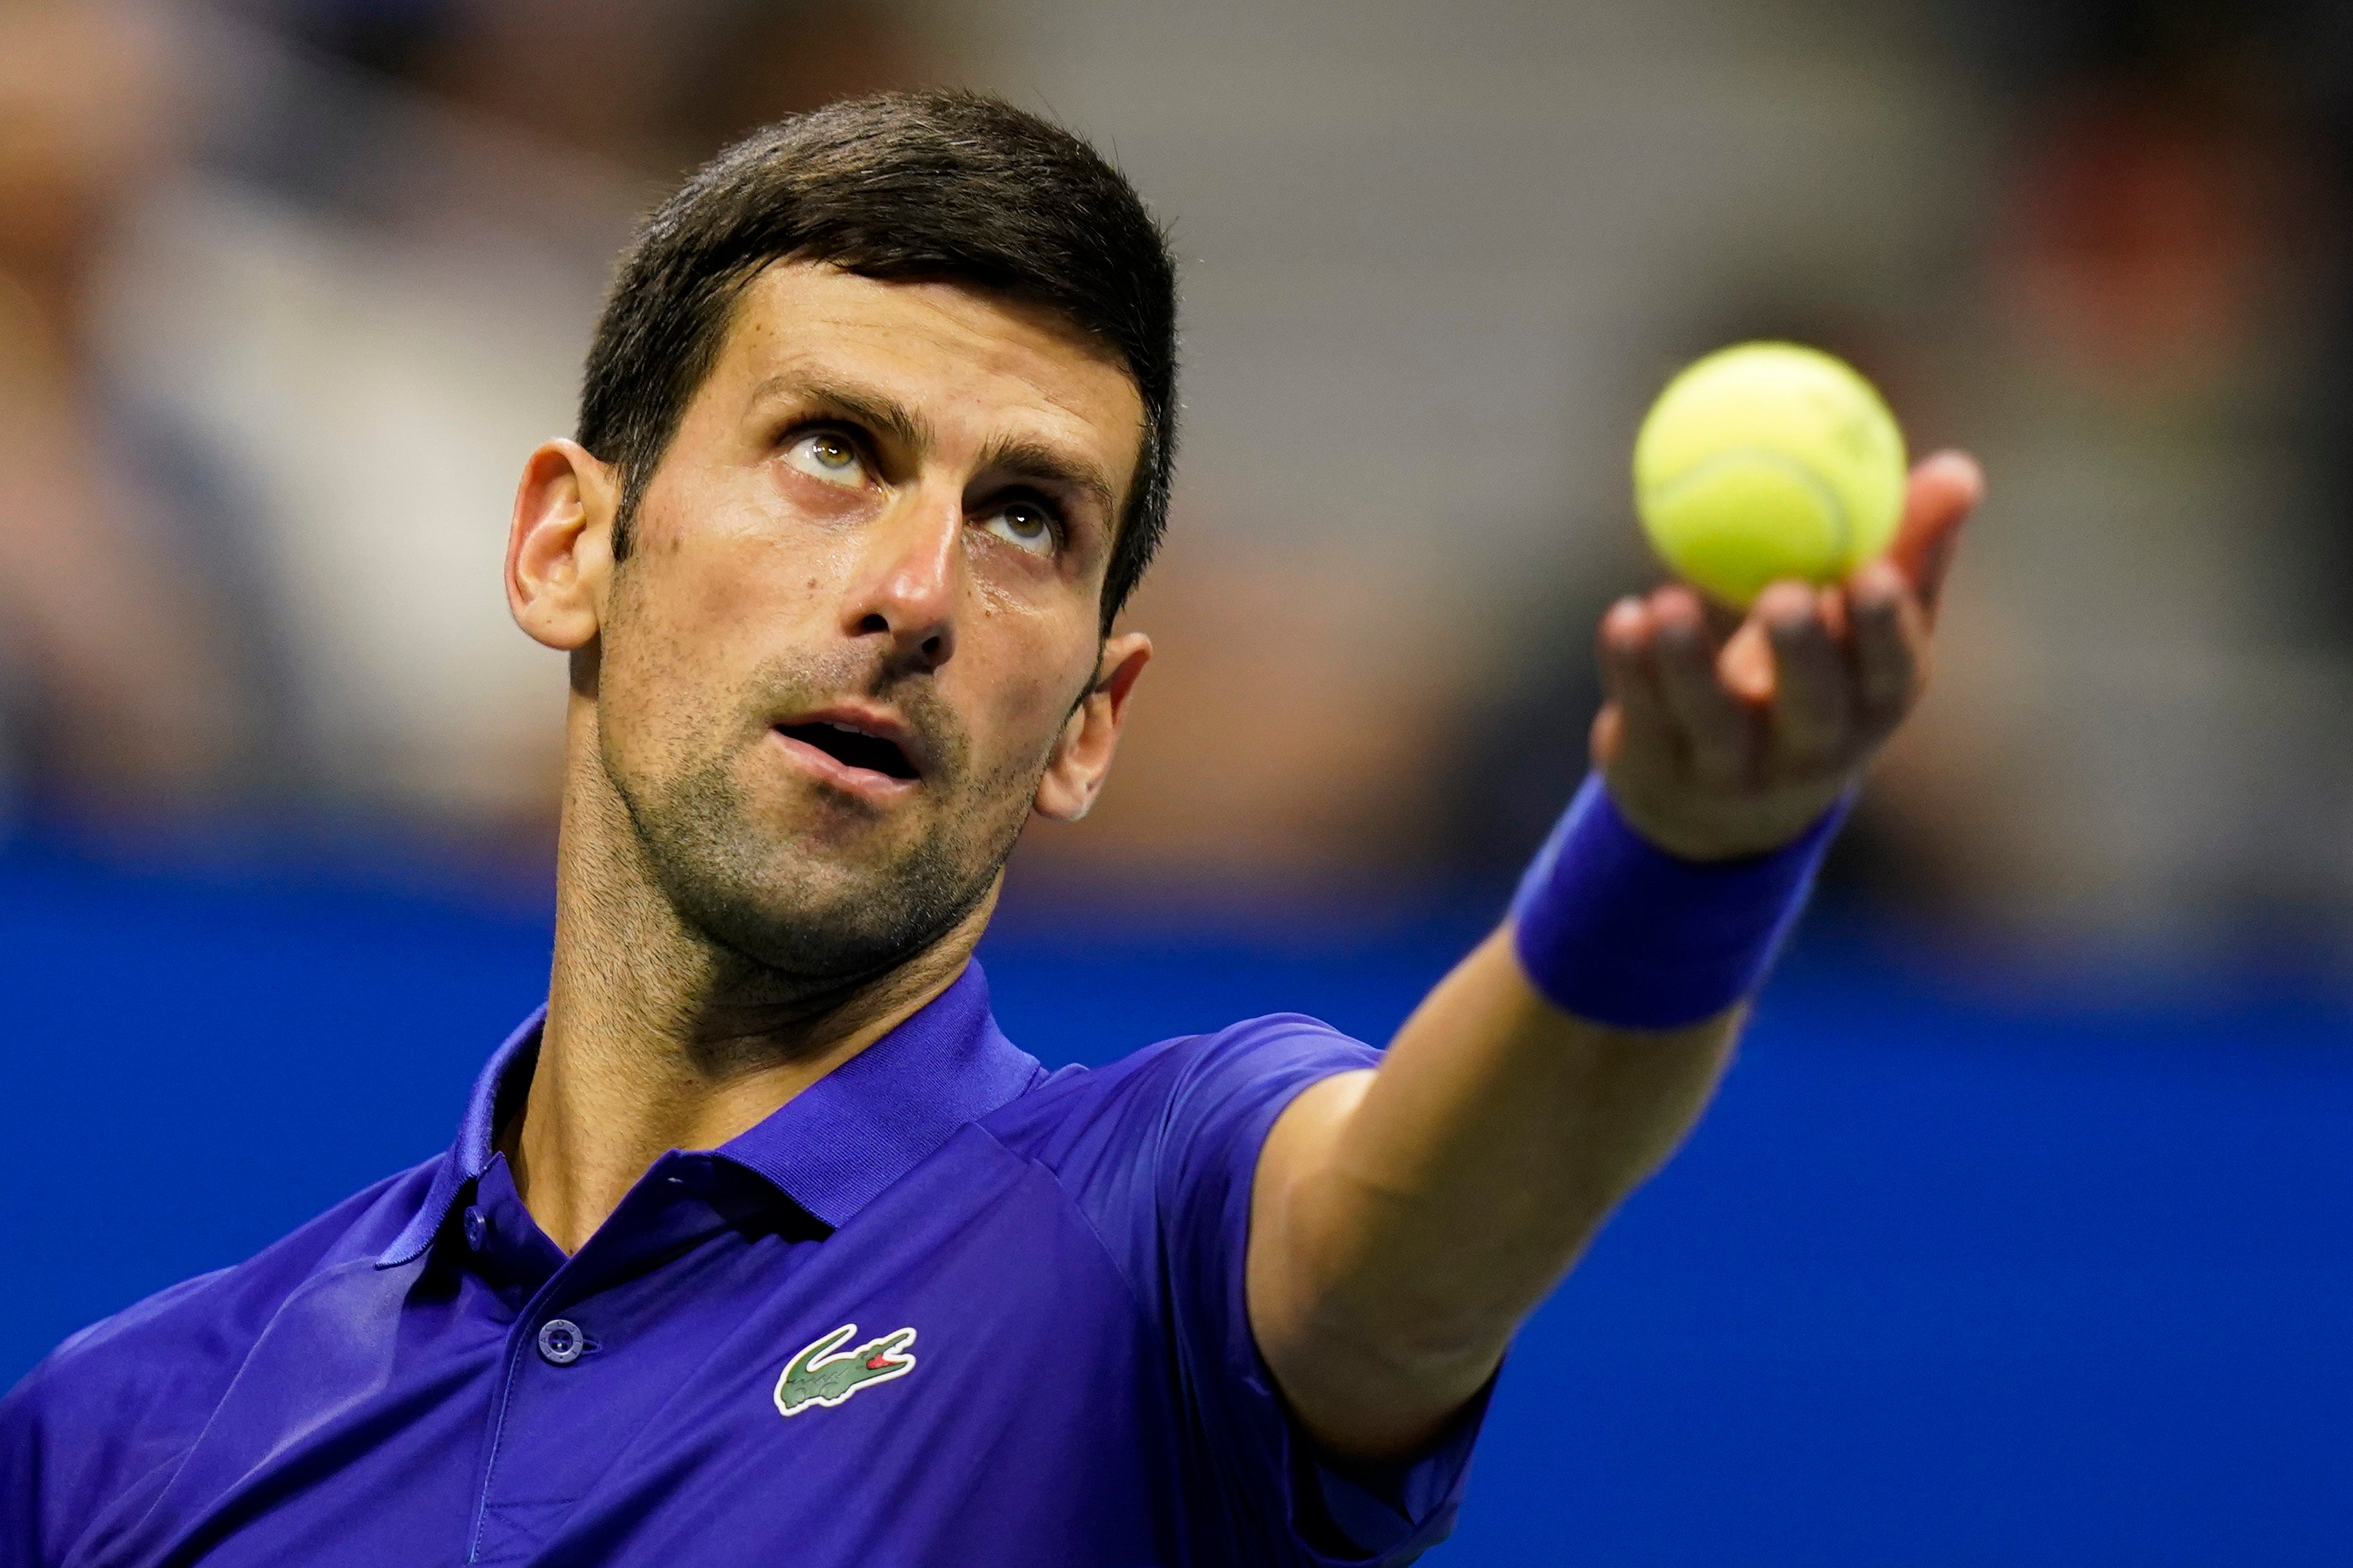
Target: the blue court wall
(1953, 1273)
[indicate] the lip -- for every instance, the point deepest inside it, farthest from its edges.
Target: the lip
(865, 783)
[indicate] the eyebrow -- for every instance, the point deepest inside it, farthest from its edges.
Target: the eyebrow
(1023, 459)
(1029, 460)
(880, 410)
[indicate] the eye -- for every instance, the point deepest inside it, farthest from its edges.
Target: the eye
(1024, 524)
(827, 455)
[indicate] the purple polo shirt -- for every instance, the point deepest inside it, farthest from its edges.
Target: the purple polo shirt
(944, 1307)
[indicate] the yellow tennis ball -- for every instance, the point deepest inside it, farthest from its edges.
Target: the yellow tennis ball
(1764, 461)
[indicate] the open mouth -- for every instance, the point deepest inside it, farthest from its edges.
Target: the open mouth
(853, 748)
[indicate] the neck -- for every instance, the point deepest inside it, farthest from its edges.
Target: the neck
(657, 1038)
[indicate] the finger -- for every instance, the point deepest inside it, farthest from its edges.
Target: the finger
(1944, 489)
(1635, 717)
(1714, 728)
(1723, 620)
(1811, 711)
(1890, 647)
(1745, 667)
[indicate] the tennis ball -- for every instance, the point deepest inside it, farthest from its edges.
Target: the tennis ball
(1764, 461)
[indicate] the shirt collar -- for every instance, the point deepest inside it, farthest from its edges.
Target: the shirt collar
(510, 1064)
(838, 1143)
(832, 1147)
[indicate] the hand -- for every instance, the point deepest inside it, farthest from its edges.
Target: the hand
(1715, 748)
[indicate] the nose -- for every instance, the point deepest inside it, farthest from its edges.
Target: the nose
(911, 583)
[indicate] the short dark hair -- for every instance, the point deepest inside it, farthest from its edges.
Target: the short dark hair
(899, 186)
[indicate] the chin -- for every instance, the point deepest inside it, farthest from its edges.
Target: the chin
(822, 914)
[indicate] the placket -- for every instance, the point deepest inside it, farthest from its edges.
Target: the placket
(567, 1402)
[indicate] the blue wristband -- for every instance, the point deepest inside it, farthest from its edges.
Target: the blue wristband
(1612, 928)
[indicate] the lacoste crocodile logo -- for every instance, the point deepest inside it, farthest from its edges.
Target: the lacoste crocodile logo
(824, 1374)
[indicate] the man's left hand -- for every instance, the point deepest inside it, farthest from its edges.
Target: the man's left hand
(1721, 746)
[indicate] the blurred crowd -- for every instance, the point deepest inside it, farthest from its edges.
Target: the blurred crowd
(289, 287)
(286, 292)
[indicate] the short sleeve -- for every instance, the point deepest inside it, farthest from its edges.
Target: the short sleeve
(1292, 1507)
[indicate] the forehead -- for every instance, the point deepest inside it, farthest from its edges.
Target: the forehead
(975, 366)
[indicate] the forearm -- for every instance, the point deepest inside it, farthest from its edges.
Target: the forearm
(1404, 1222)
(1457, 1185)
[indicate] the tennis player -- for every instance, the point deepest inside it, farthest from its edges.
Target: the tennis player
(760, 1244)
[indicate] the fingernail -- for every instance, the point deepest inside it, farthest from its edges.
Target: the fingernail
(1961, 465)
(1786, 605)
(1877, 585)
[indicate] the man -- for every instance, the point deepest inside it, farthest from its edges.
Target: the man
(763, 1244)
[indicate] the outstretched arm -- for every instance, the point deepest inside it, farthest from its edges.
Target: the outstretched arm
(1405, 1221)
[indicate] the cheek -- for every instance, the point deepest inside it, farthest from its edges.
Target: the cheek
(698, 619)
(654, 684)
(1029, 680)
(744, 551)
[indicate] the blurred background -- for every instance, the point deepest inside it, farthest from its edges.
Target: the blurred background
(2022, 1232)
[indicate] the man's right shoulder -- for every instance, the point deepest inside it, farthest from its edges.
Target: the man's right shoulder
(128, 1394)
(236, 1303)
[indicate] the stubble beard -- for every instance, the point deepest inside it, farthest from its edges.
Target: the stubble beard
(802, 924)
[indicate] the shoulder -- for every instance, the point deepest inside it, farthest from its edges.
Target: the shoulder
(231, 1305)
(126, 1394)
(1157, 1151)
(1177, 1089)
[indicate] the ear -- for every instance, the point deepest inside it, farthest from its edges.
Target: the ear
(1081, 759)
(560, 545)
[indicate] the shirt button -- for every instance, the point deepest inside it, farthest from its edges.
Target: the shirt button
(561, 1341)
(478, 1228)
